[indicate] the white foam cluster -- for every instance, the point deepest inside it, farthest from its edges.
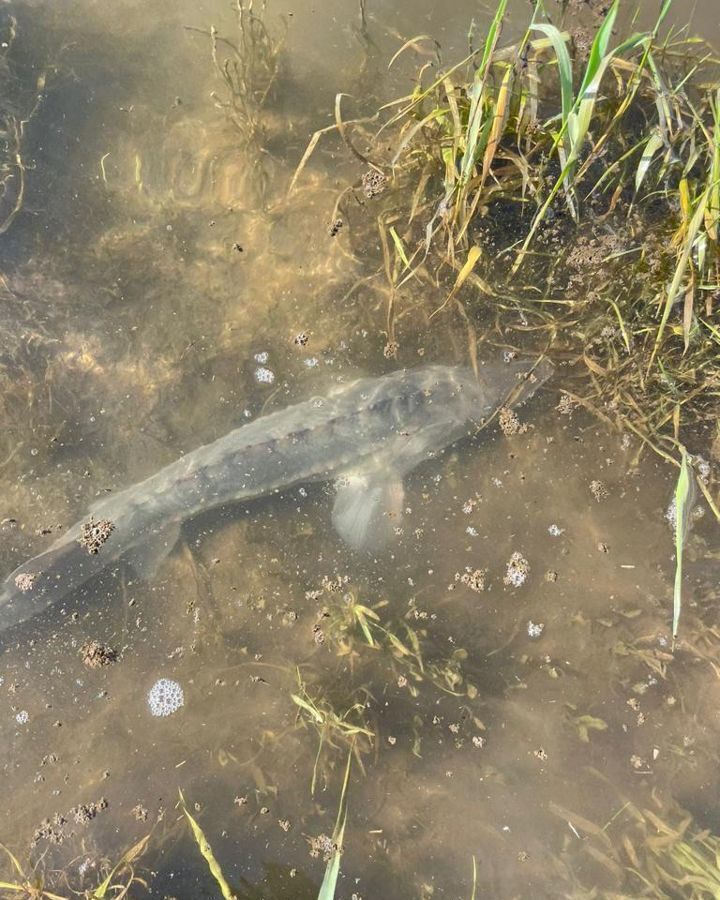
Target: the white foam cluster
(264, 375)
(165, 697)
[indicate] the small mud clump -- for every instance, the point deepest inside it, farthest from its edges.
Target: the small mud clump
(25, 581)
(51, 830)
(589, 254)
(322, 845)
(567, 404)
(86, 812)
(95, 655)
(94, 534)
(472, 578)
(509, 422)
(54, 830)
(373, 183)
(598, 490)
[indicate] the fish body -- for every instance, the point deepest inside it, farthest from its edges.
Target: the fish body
(366, 437)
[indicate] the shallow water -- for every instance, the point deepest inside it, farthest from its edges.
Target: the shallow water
(157, 265)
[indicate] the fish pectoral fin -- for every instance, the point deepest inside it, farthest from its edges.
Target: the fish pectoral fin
(147, 555)
(368, 507)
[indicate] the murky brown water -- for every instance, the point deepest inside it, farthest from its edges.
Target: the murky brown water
(157, 263)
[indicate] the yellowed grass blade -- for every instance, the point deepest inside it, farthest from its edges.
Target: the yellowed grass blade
(680, 270)
(474, 254)
(206, 851)
(128, 857)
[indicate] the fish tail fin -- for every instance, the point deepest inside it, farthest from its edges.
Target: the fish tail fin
(47, 579)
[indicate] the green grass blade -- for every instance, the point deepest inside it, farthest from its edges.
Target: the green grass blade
(332, 872)
(713, 206)
(654, 143)
(559, 44)
(208, 855)
(682, 494)
(579, 119)
(598, 51)
(477, 92)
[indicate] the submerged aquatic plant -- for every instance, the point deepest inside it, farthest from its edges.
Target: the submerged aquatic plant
(350, 626)
(31, 886)
(650, 854)
(332, 872)
(207, 853)
(248, 65)
(567, 203)
(333, 728)
(116, 883)
(16, 113)
(683, 508)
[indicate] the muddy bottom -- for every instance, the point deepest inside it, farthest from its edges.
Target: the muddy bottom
(500, 679)
(515, 699)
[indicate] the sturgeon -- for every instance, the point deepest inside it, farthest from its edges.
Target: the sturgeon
(366, 436)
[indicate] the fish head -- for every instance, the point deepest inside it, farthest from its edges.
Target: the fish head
(505, 384)
(460, 395)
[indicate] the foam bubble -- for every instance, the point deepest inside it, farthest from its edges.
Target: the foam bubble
(165, 697)
(264, 376)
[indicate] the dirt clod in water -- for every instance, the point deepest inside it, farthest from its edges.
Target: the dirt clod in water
(509, 422)
(95, 533)
(51, 830)
(322, 845)
(472, 578)
(373, 183)
(95, 654)
(86, 812)
(140, 813)
(54, 830)
(25, 581)
(517, 570)
(567, 404)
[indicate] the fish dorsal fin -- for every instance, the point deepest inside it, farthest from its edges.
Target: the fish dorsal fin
(368, 507)
(147, 555)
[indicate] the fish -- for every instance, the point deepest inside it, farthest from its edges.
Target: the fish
(366, 436)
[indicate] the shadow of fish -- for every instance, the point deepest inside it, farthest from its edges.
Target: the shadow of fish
(366, 437)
